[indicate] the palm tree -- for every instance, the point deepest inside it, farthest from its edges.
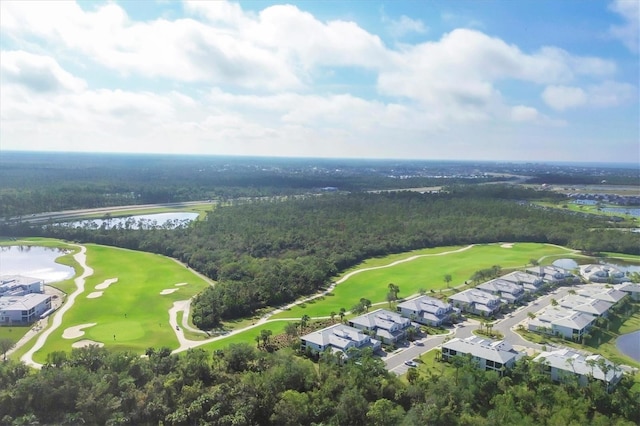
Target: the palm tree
(333, 316)
(394, 289)
(343, 311)
(304, 321)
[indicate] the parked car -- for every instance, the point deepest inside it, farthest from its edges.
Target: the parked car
(411, 363)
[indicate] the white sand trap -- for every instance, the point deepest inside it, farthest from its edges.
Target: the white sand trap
(76, 331)
(181, 284)
(168, 291)
(94, 295)
(507, 245)
(85, 343)
(105, 285)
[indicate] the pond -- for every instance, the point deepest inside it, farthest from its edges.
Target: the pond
(144, 221)
(36, 262)
(621, 266)
(629, 344)
(631, 211)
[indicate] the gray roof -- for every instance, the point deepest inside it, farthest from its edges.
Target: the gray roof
(475, 296)
(339, 336)
(572, 361)
(629, 287)
(501, 286)
(585, 304)
(22, 303)
(520, 277)
(562, 316)
(550, 272)
(602, 292)
(425, 304)
(381, 318)
(492, 350)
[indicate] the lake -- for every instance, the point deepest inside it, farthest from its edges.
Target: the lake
(631, 211)
(629, 344)
(144, 221)
(36, 262)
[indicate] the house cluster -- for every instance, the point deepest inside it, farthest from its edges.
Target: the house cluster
(572, 316)
(22, 300)
(380, 326)
(593, 199)
(487, 298)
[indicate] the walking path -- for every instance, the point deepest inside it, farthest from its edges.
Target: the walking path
(81, 258)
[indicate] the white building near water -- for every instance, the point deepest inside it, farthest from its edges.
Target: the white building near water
(602, 274)
(490, 355)
(561, 321)
(564, 363)
(18, 285)
(23, 310)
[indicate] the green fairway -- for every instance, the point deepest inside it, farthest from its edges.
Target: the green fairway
(425, 272)
(130, 314)
(248, 336)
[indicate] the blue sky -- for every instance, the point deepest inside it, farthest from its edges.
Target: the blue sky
(462, 80)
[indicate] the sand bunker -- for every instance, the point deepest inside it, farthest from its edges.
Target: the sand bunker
(105, 285)
(94, 295)
(507, 245)
(180, 284)
(168, 291)
(76, 331)
(85, 343)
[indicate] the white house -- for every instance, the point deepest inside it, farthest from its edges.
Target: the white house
(594, 307)
(551, 274)
(18, 285)
(632, 289)
(565, 363)
(602, 292)
(427, 310)
(338, 337)
(25, 309)
(508, 291)
(388, 326)
(561, 322)
(476, 302)
(602, 274)
(490, 355)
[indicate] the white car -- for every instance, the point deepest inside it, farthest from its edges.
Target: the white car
(411, 363)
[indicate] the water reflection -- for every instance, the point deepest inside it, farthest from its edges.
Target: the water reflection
(144, 221)
(34, 261)
(629, 344)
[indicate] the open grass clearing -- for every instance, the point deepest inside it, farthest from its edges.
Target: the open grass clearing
(132, 314)
(425, 272)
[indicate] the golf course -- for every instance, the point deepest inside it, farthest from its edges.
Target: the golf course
(127, 295)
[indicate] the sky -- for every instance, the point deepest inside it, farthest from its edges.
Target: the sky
(487, 80)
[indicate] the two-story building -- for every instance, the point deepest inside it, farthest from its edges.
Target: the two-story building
(508, 291)
(566, 363)
(632, 289)
(587, 305)
(338, 338)
(19, 285)
(561, 321)
(604, 292)
(552, 274)
(476, 302)
(490, 355)
(388, 327)
(23, 310)
(427, 310)
(602, 274)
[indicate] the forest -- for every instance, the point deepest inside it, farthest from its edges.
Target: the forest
(245, 386)
(266, 253)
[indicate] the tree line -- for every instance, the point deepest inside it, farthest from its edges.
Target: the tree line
(243, 386)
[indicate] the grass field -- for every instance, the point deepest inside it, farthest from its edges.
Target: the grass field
(136, 294)
(425, 272)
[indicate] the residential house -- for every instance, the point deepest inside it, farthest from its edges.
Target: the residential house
(551, 274)
(602, 292)
(23, 310)
(632, 289)
(561, 321)
(565, 363)
(427, 310)
(602, 274)
(594, 307)
(490, 355)
(476, 301)
(339, 338)
(389, 327)
(508, 291)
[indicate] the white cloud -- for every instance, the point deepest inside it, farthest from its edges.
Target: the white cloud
(607, 94)
(403, 26)
(629, 31)
(524, 113)
(36, 72)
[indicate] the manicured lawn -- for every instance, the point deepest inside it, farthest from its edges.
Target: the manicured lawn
(136, 294)
(277, 327)
(424, 272)
(13, 333)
